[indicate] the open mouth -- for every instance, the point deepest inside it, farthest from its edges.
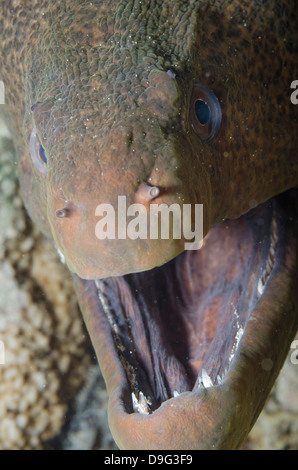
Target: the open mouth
(219, 318)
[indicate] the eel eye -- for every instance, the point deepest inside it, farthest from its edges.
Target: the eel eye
(205, 112)
(37, 152)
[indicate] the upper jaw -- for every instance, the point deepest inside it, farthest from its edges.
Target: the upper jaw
(226, 389)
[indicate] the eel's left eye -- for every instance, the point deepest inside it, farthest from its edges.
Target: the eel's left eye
(205, 112)
(37, 152)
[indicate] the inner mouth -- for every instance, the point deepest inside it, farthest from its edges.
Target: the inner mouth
(178, 327)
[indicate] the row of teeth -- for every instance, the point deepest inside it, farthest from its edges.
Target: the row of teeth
(205, 381)
(140, 404)
(100, 285)
(271, 258)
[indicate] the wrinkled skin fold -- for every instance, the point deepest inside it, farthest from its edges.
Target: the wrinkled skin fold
(200, 341)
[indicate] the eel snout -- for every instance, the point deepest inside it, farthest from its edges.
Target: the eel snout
(130, 225)
(123, 200)
(139, 232)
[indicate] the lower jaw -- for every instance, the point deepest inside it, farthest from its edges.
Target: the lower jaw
(190, 351)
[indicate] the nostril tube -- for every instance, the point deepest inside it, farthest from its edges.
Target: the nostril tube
(146, 193)
(62, 213)
(154, 192)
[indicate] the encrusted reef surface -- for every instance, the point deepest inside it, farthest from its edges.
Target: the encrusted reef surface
(44, 345)
(52, 395)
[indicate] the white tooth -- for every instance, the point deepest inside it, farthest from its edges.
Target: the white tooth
(140, 405)
(61, 256)
(236, 343)
(98, 283)
(107, 309)
(260, 287)
(207, 382)
(115, 328)
(235, 313)
(135, 402)
(176, 394)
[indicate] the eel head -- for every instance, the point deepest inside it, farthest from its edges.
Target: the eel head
(189, 341)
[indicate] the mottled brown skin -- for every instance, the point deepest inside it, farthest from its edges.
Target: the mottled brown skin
(111, 118)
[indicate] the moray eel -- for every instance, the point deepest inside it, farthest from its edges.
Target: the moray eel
(175, 102)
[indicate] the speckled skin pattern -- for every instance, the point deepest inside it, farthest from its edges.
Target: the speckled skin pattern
(110, 117)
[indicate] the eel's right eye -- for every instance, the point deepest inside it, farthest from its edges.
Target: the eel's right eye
(37, 152)
(205, 112)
